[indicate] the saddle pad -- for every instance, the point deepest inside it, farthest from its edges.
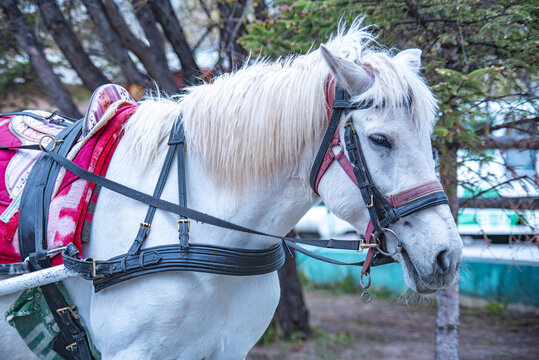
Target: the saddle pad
(69, 207)
(15, 166)
(100, 102)
(71, 210)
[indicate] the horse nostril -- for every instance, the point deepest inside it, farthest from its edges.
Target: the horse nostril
(443, 260)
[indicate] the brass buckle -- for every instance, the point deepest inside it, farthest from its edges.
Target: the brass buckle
(147, 226)
(71, 346)
(371, 204)
(67, 308)
(94, 269)
(363, 245)
(53, 141)
(349, 124)
(184, 221)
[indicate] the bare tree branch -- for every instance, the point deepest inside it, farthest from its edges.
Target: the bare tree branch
(516, 203)
(510, 142)
(512, 125)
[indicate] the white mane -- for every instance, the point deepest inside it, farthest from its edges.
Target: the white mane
(255, 122)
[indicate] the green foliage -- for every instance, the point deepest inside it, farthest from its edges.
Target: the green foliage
(14, 74)
(498, 309)
(474, 53)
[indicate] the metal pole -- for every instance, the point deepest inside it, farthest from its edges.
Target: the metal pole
(34, 279)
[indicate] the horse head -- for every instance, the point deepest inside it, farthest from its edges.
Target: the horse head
(394, 122)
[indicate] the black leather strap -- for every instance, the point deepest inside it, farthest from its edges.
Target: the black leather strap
(71, 343)
(15, 268)
(60, 120)
(177, 139)
(144, 229)
(341, 105)
(425, 202)
(198, 257)
(181, 210)
(36, 196)
(378, 260)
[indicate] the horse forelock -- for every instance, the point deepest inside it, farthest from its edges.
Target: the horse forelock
(264, 119)
(396, 85)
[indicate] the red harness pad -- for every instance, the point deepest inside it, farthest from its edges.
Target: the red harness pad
(71, 210)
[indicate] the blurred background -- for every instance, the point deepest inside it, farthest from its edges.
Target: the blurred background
(479, 57)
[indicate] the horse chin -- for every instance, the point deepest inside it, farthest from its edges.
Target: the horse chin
(412, 278)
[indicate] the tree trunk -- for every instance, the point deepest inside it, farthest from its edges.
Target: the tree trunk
(112, 43)
(156, 65)
(148, 23)
(174, 32)
(56, 90)
(66, 40)
(231, 16)
(447, 321)
(292, 313)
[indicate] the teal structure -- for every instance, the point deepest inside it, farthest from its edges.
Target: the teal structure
(492, 280)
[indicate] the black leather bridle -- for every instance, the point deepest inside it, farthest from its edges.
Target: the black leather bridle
(383, 211)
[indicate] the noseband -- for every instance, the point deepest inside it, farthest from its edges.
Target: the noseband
(383, 211)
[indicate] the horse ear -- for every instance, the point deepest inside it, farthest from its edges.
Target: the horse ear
(411, 57)
(349, 75)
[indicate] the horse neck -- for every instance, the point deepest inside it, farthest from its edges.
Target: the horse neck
(273, 207)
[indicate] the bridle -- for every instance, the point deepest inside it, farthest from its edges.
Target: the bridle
(383, 211)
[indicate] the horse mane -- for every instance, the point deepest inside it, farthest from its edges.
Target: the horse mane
(258, 121)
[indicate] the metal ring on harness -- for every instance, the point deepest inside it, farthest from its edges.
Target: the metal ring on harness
(365, 295)
(398, 248)
(363, 285)
(53, 141)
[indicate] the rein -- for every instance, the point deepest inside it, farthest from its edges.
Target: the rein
(383, 211)
(185, 256)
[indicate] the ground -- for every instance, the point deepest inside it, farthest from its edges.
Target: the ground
(389, 329)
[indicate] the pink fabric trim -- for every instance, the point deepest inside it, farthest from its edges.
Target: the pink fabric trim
(370, 254)
(74, 196)
(330, 156)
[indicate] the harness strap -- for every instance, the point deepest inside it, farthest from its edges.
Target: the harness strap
(177, 139)
(187, 213)
(22, 267)
(198, 257)
(71, 342)
(184, 211)
(144, 229)
(338, 102)
(60, 120)
(176, 144)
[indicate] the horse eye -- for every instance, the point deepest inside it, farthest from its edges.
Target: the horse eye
(380, 140)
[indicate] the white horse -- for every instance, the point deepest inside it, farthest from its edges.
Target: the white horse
(252, 136)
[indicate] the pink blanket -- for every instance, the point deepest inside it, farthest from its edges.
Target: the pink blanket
(71, 209)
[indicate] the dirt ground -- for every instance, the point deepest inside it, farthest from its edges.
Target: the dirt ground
(388, 329)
